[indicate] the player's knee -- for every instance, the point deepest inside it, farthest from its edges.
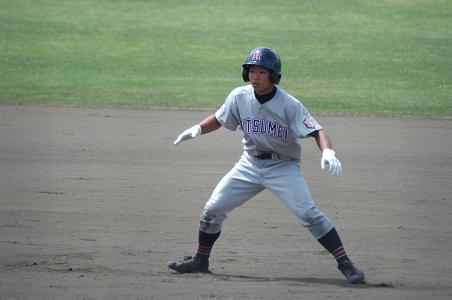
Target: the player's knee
(317, 223)
(311, 216)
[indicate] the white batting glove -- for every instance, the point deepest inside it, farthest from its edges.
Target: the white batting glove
(188, 134)
(329, 157)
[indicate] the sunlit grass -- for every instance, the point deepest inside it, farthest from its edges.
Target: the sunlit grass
(354, 57)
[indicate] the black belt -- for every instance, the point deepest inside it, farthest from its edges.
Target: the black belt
(267, 155)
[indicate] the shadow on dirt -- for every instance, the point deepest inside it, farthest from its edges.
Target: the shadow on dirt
(300, 280)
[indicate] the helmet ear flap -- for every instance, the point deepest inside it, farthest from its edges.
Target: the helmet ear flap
(276, 78)
(245, 73)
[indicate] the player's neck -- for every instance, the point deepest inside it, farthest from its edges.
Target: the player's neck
(266, 97)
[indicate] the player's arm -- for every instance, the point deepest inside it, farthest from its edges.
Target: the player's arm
(328, 155)
(322, 140)
(207, 125)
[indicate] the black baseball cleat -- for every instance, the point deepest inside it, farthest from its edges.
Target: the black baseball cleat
(190, 264)
(352, 273)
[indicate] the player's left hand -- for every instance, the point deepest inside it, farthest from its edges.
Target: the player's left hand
(329, 157)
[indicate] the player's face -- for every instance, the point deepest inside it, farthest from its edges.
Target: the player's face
(260, 80)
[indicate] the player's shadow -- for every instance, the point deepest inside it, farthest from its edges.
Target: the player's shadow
(298, 280)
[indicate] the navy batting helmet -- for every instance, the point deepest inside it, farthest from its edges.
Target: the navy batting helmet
(264, 57)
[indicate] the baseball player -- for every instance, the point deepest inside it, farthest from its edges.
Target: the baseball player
(273, 122)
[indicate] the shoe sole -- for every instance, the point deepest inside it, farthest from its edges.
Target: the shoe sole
(173, 267)
(358, 280)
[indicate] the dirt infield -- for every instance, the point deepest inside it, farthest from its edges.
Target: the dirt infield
(94, 202)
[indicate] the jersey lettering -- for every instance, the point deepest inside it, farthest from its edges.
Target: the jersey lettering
(269, 128)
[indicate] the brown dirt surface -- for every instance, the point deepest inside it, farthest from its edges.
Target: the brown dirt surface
(94, 202)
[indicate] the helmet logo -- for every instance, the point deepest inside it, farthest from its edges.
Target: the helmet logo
(257, 55)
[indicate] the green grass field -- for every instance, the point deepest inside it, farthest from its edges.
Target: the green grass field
(391, 58)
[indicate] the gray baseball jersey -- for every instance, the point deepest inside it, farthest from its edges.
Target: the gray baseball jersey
(275, 126)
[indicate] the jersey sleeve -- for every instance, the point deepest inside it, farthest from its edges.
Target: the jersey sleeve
(228, 114)
(304, 123)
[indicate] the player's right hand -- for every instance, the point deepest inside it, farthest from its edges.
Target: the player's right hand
(190, 133)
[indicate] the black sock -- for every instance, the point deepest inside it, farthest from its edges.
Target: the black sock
(332, 242)
(205, 244)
